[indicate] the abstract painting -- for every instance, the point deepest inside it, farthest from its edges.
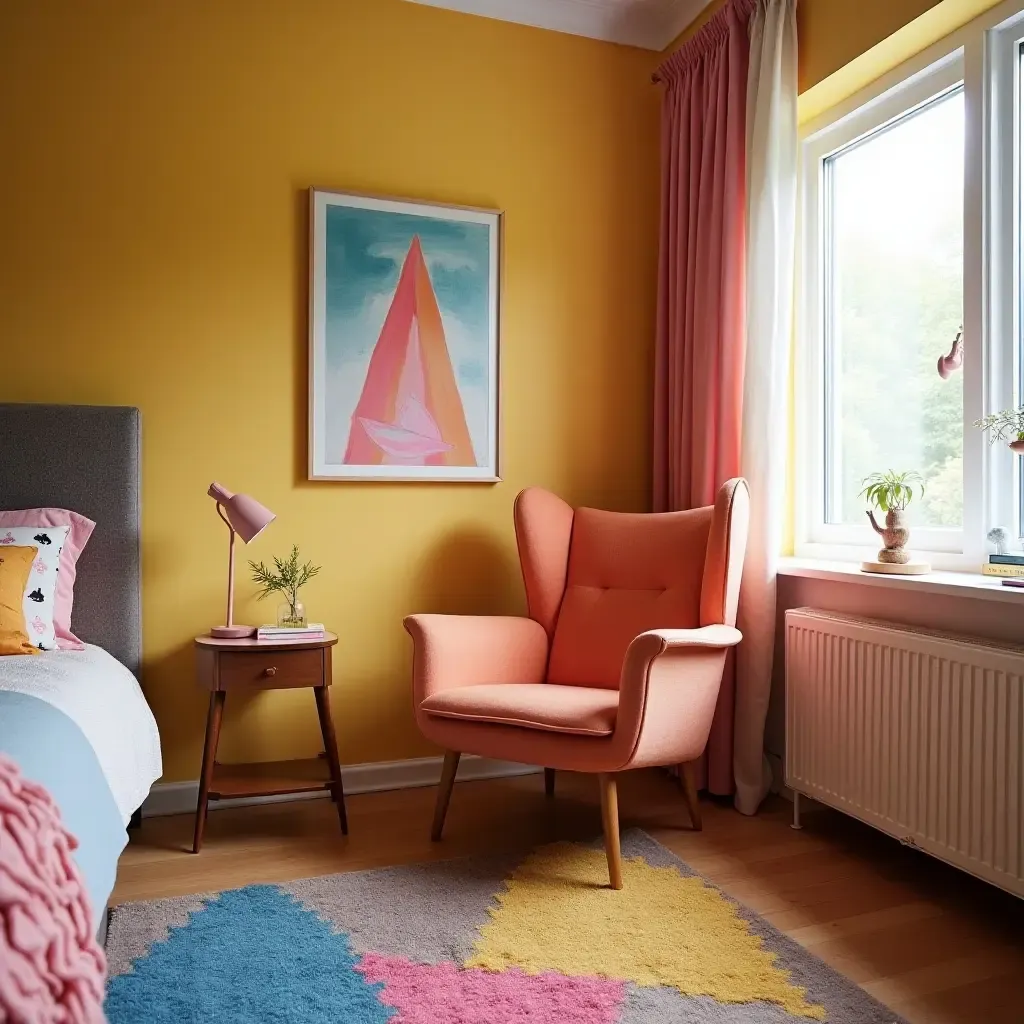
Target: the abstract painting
(403, 340)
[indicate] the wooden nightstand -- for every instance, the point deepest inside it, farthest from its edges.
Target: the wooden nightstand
(247, 665)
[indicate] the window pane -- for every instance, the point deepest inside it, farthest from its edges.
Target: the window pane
(893, 304)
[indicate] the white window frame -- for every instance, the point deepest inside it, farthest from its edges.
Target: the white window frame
(984, 56)
(1001, 149)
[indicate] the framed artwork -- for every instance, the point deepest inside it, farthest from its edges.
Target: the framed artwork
(403, 361)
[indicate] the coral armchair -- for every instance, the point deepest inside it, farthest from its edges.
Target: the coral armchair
(620, 661)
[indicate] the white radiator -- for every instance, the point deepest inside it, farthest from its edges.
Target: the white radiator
(917, 733)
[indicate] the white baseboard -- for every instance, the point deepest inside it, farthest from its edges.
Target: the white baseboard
(181, 797)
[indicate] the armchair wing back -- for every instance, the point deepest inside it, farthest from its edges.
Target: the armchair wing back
(596, 580)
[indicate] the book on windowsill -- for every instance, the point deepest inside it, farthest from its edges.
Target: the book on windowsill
(1010, 558)
(994, 569)
(312, 631)
(1012, 583)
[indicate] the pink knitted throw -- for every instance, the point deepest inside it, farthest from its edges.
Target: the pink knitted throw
(51, 967)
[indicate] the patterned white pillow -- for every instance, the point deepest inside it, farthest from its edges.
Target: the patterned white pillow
(42, 577)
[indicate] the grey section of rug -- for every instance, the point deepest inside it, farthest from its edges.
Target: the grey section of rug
(427, 912)
(664, 1005)
(135, 927)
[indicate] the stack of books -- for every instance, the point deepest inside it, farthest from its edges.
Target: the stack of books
(311, 631)
(1010, 567)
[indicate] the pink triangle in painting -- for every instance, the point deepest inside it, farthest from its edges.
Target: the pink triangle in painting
(410, 412)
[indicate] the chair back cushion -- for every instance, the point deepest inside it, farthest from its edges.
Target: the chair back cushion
(627, 573)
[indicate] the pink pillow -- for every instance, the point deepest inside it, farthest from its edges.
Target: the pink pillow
(78, 537)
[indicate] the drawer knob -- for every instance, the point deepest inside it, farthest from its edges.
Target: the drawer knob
(271, 671)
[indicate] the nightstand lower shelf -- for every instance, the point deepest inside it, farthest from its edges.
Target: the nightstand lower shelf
(269, 778)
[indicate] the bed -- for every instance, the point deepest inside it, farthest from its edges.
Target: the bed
(77, 721)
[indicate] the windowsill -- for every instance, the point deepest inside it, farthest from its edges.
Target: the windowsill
(951, 584)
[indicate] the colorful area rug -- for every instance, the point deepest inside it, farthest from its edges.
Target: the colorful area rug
(534, 939)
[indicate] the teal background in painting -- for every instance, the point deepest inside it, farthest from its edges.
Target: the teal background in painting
(365, 250)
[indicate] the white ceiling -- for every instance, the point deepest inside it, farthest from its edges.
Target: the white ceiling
(651, 24)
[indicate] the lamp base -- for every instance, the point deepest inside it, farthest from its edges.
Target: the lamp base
(232, 632)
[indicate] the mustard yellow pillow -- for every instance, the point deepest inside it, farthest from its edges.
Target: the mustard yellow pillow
(15, 565)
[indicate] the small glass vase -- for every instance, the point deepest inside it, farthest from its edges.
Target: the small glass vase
(291, 616)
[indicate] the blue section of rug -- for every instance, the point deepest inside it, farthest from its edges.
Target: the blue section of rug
(250, 955)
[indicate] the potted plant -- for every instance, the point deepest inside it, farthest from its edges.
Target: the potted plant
(287, 578)
(891, 493)
(1006, 425)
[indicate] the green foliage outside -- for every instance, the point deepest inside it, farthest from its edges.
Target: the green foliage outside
(898, 305)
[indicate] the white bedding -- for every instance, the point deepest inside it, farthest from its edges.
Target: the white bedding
(105, 701)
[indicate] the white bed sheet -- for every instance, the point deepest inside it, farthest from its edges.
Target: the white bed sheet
(105, 701)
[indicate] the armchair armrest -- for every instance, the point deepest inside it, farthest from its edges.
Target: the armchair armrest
(656, 641)
(668, 691)
(463, 650)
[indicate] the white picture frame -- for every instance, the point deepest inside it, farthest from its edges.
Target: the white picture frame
(404, 311)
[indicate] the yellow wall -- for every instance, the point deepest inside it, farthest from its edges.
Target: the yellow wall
(834, 32)
(153, 253)
(938, 21)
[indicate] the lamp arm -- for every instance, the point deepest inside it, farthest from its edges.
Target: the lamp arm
(231, 568)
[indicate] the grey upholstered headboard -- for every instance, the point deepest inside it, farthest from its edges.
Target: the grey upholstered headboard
(85, 458)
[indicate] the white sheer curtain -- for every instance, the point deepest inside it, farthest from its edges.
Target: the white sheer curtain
(771, 241)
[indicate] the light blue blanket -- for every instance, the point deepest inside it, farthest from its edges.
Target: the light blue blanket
(50, 749)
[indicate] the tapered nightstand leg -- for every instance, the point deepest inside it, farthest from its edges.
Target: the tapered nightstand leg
(213, 720)
(323, 708)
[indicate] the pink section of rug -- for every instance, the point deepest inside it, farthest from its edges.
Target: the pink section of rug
(428, 993)
(51, 968)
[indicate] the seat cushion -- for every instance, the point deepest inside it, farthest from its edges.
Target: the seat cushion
(576, 710)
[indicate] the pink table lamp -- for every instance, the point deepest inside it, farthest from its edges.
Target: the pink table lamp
(248, 518)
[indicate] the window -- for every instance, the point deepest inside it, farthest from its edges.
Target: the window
(893, 299)
(913, 228)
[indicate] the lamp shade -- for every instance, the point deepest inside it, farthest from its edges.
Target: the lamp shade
(246, 516)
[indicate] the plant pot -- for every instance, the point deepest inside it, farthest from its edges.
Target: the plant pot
(1017, 446)
(291, 616)
(895, 535)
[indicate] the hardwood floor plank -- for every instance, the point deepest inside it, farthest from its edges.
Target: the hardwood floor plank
(837, 929)
(990, 999)
(947, 975)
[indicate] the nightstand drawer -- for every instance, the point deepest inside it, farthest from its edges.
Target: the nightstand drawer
(270, 670)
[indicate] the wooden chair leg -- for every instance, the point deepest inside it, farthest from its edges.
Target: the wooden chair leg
(444, 792)
(688, 780)
(549, 782)
(610, 821)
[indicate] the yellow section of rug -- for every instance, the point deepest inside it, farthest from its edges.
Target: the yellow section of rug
(557, 914)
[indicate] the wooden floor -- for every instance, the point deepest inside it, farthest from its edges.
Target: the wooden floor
(932, 943)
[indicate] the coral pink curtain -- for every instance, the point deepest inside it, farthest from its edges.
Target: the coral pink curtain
(701, 332)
